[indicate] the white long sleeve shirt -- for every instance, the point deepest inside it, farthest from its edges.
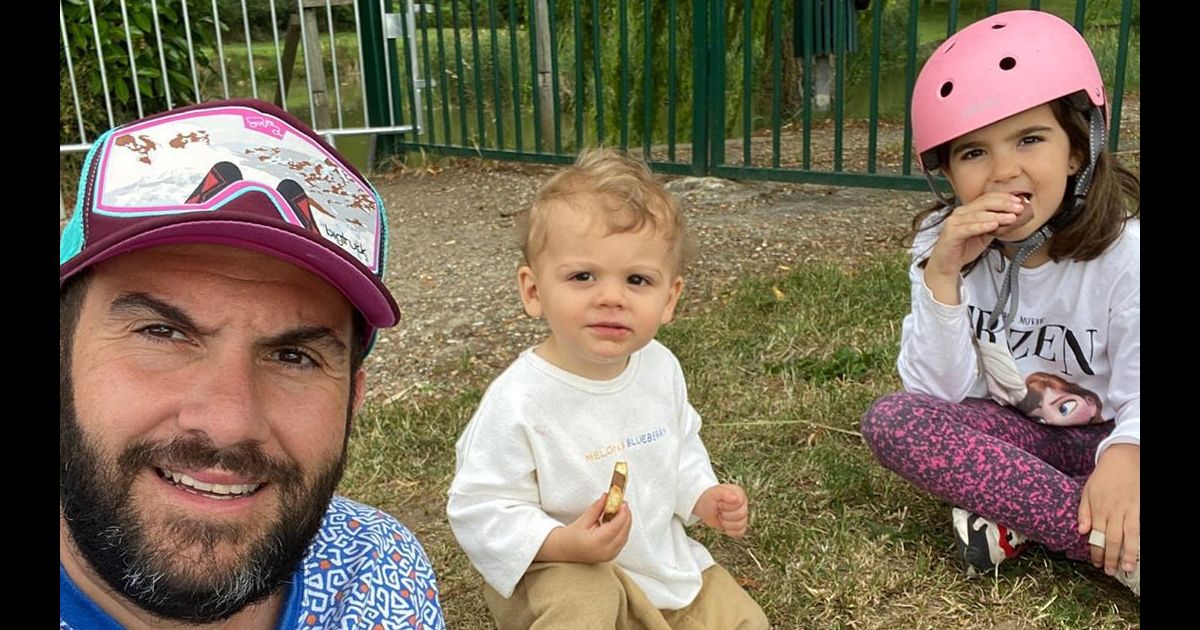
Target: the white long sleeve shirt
(541, 448)
(1077, 320)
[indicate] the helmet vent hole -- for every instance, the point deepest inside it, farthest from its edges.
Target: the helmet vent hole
(1008, 63)
(950, 46)
(998, 26)
(947, 88)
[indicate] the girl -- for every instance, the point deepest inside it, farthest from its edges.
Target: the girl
(1015, 276)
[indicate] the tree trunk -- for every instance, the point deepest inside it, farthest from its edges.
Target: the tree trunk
(790, 69)
(545, 81)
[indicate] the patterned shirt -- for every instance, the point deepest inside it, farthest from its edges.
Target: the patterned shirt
(364, 569)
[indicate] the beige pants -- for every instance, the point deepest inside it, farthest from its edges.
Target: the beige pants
(555, 595)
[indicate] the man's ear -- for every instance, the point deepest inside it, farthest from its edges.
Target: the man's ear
(530, 297)
(360, 391)
(358, 395)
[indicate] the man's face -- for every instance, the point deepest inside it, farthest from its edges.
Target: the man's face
(204, 415)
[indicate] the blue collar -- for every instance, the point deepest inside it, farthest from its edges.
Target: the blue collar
(76, 610)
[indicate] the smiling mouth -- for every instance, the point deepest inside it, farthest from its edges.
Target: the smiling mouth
(221, 492)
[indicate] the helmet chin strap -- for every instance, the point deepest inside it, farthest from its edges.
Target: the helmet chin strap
(950, 201)
(1009, 293)
(1008, 297)
(1083, 181)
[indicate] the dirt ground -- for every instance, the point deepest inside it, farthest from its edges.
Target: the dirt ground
(453, 257)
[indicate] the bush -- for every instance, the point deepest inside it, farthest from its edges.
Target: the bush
(143, 39)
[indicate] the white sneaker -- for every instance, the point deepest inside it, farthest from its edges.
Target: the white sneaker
(1132, 579)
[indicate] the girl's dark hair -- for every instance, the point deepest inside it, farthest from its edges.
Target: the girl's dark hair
(1113, 198)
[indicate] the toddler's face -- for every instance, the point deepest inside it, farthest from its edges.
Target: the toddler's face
(603, 295)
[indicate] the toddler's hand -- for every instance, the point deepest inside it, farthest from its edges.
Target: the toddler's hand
(725, 508)
(586, 540)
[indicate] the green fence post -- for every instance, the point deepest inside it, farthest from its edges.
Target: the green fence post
(700, 92)
(1118, 89)
(374, 47)
(715, 110)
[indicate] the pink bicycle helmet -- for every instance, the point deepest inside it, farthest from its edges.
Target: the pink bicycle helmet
(999, 66)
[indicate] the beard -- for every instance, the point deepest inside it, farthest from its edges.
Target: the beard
(165, 562)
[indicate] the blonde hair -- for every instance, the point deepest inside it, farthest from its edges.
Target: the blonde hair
(617, 189)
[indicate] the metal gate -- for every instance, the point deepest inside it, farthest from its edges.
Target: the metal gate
(333, 63)
(731, 88)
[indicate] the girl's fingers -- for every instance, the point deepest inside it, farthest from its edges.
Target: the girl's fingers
(968, 230)
(992, 203)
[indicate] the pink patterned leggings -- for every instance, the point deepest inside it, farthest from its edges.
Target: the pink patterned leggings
(991, 460)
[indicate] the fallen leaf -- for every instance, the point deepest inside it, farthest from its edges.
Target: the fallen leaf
(748, 582)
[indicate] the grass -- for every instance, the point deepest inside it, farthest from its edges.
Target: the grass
(781, 374)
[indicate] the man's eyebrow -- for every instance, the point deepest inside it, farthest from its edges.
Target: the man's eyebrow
(142, 304)
(321, 336)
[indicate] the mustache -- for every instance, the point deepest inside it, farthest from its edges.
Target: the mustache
(196, 452)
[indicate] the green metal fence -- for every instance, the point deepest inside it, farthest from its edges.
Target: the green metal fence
(716, 87)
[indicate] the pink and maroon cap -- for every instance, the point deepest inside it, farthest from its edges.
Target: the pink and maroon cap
(242, 173)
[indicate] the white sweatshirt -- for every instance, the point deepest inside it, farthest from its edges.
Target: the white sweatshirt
(541, 448)
(1077, 320)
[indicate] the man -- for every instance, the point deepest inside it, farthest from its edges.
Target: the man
(220, 286)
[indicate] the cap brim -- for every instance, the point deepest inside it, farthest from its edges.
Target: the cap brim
(363, 289)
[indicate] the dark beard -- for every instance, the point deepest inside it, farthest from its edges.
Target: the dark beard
(147, 567)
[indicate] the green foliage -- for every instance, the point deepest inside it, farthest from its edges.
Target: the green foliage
(496, 87)
(145, 28)
(257, 17)
(1108, 13)
(893, 43)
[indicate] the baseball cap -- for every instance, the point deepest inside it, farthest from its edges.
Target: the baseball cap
(242, 173)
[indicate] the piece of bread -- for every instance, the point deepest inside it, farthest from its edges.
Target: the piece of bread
(616, 492)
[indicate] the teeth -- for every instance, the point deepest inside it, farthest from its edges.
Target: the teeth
(225, 491)
(199, 485)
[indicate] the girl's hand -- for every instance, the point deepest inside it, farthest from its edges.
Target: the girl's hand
(1111, 503)
(966, 233)
(724, 507)
(586, 540)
